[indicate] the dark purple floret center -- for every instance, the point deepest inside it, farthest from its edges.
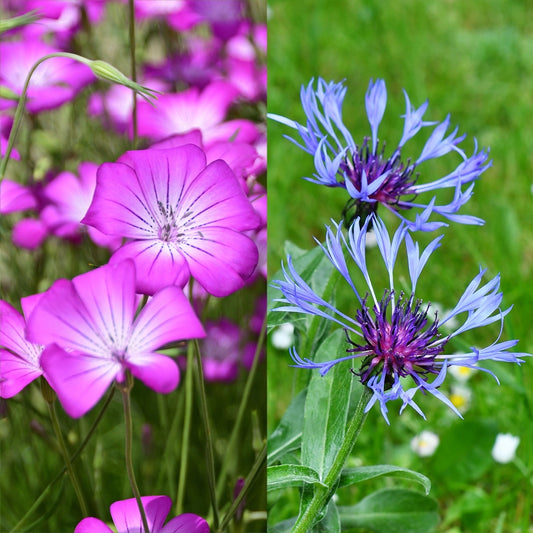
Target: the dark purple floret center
(399, 182)
(397, 338)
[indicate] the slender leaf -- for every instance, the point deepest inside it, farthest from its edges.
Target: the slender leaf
(331, 523)
(326, 407)
(392, 511)
(288, 435)
(351, 476)
(283, 476)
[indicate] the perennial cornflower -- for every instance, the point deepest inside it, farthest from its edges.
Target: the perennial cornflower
(183, 218)
(369, 176)
(127, 518)
(392, 333)
(94, 336)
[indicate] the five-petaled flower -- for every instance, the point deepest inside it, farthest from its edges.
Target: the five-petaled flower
(182, 217)
(94, 336)
(127, 518)
(369, 176)
(393, 334)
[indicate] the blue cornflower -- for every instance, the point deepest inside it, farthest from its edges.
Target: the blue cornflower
(370, 177)
(393, 333)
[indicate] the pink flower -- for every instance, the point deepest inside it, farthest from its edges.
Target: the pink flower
(192, 109)
(127, 519)
(183, 218)
(55, 81)
(70, 196)
(93, 335)
(19, 358)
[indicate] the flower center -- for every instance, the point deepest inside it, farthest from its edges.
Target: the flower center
(397, 338)
(399, 181)
(168, 225)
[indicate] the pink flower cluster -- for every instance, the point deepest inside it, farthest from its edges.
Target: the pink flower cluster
(184, 212)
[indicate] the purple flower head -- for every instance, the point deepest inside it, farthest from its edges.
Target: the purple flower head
(55, 81)
(93, 335)
(223, 17)
(19, 358)
(369, 176)
(394, 335)
(127, 518)
(182, 217)
(192, 109)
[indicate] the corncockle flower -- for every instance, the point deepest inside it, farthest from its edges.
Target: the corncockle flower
(127, 518)
(70, 196)
(5, 129)
(192, 109)
(504, 448)
(425, 444)
(177, 13)
(94, 337)
(370, 177)
(53, 83)
(183, 218)
(392, 333)
(223, 17)
(19, 358)
(221, 350)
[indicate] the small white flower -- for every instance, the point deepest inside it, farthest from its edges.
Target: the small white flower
(461, 373)
(504, 448)
(425, 444)
(461, 396)
(283, 336)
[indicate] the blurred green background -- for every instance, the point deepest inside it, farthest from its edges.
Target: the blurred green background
(474, 61)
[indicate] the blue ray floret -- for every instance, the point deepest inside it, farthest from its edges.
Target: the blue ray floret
(395, 335)
(372, 178)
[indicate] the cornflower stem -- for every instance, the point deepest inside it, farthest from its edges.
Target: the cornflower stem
(323, 494)
(66, 458)
(254, 471)
(125, 389)
(186, 431)
(200, 384)
(75, 455)
(242, 409)
(131, 13)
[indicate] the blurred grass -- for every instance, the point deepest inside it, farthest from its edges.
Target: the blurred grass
(476, 63)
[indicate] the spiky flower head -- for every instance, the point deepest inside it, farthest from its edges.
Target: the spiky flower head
(369, 175)
(396, 337)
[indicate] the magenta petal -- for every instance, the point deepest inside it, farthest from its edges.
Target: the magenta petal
(127, 518)
(220, 259)
(15, 197)
(186, 523)
(167, 317)
(158, 264)
(29, 233)
(156, 371)
(15, 373)
(79, 380)
(92, 525)
(108, 294)
(216, 198)
(118, 206)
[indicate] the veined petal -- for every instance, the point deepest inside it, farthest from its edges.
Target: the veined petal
(92, 525)
(127, 518)
(186, 523)
(167, 317)
(15, 373)
(79, 379)
(375, 100)
(157, 264)
(220, 259)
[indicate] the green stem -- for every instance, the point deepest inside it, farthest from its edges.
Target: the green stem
(209, 441)
(242, 409)
(75, 455)
(323, 494)
(248, 482)
(186, 429)
(66, 458)
(125, 389)
(131, 5)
